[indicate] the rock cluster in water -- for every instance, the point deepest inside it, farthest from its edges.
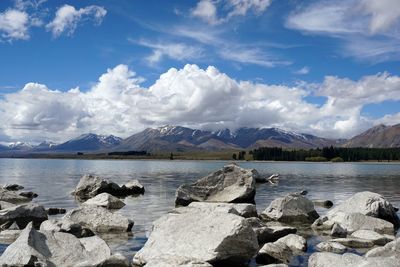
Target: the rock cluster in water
(215, 223)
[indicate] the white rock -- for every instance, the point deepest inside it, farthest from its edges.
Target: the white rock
(105, 200)
(330, 246)
(376, 238)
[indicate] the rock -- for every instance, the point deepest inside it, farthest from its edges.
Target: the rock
(376, 238)
(352, 222)
(49, 248)
(291, 208)
(99, 219)
(29, 194)
(370, 204)
(200, 236)
(12, 197)
(174, 262)
(330, 246)
(282, 250)
(354, 242)
(266, 233)
(90, 186)
(9, 236)
(12, 187)
(230, 184)
(105, 200)
(133, 187)
(116, 260)
(323, 203)
(55, 211)
(66, 226)
(262, 179)
(242, 209)
(327, 259)
(338, 231)
(6, 205)
(23, 214)
(274, 265)
(391, 249)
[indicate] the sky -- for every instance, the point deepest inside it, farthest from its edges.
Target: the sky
(324, 67)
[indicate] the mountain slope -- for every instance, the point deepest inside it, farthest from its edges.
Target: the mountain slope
(88, 142)
(379, 136)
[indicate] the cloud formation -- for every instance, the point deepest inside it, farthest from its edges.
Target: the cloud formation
(67, 18)
(368, 29)
(14, 25)
(207, 10)
(195, 97)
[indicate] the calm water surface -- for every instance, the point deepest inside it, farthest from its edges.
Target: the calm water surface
(54, 180)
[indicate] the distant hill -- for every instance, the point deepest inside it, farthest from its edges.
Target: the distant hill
(88, 142)
(381, 136)
(177, 138)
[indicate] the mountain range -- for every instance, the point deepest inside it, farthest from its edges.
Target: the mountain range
(178, 138)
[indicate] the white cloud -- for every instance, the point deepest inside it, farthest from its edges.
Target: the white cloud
(177, 51)
(303, 71)
(14, 25)
(67, 18)
(191, 96)
(368, 29)
(207, 10)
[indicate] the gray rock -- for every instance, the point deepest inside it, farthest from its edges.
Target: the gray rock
(354, 242)
(116, 260)
(330, 246)
(274, 265)
(242, 209)
(90, 186)
(174, 262)
(352, 222)
(269, 233)
(105, 200)
(282, 250)
(391, 249)
(133, 187)
(9, 236)
(230, 184)
(55, 211)
(23, 214)
(12, 197)
(376, 238)
(338, 231)
(212, 237)
(49, 248)
(292, 208)
(370, 204)
(12, 187)
(66, 226)
(29, 194)
(99, 219)
(327, 259)
(6, 205)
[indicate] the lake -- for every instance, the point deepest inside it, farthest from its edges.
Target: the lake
(55, 179)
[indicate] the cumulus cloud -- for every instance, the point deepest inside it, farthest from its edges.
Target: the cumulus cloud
(14, 25)
(207, 10)
(368, 29)
(67, 18)
(191, 96)
(303, 71)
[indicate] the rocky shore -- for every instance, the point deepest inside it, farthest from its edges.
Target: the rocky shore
(215, 223)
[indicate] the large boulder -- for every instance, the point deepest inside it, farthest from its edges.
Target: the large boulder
(23, 214)
(242, 209)
(391, 249)
(91, 185)
(12, 197)
(282, 250)
(54, 249)
(231, 184)
(195, 235)
(370, 204)
(66, 226)
(377, 239)
(327, 259)
(351, 222)
(99, 219)
(292, 208)
(105, 200)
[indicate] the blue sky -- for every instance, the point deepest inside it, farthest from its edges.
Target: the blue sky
(333, 64)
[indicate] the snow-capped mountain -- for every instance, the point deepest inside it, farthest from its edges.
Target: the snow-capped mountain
(88, 142)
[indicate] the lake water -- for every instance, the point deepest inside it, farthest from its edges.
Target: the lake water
(55, 179)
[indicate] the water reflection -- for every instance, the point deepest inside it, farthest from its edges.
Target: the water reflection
(54, 180)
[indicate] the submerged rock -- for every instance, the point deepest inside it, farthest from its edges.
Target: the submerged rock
(12, 197)
(90, 186)
(105, 200)
(292, 208)
(23, 214)
(54, 249)
(55, 211)
(12, 187)
(354, 242)
(282, 250)
(99, 219)
(29, 194)
(200, 236)
(231, 184)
